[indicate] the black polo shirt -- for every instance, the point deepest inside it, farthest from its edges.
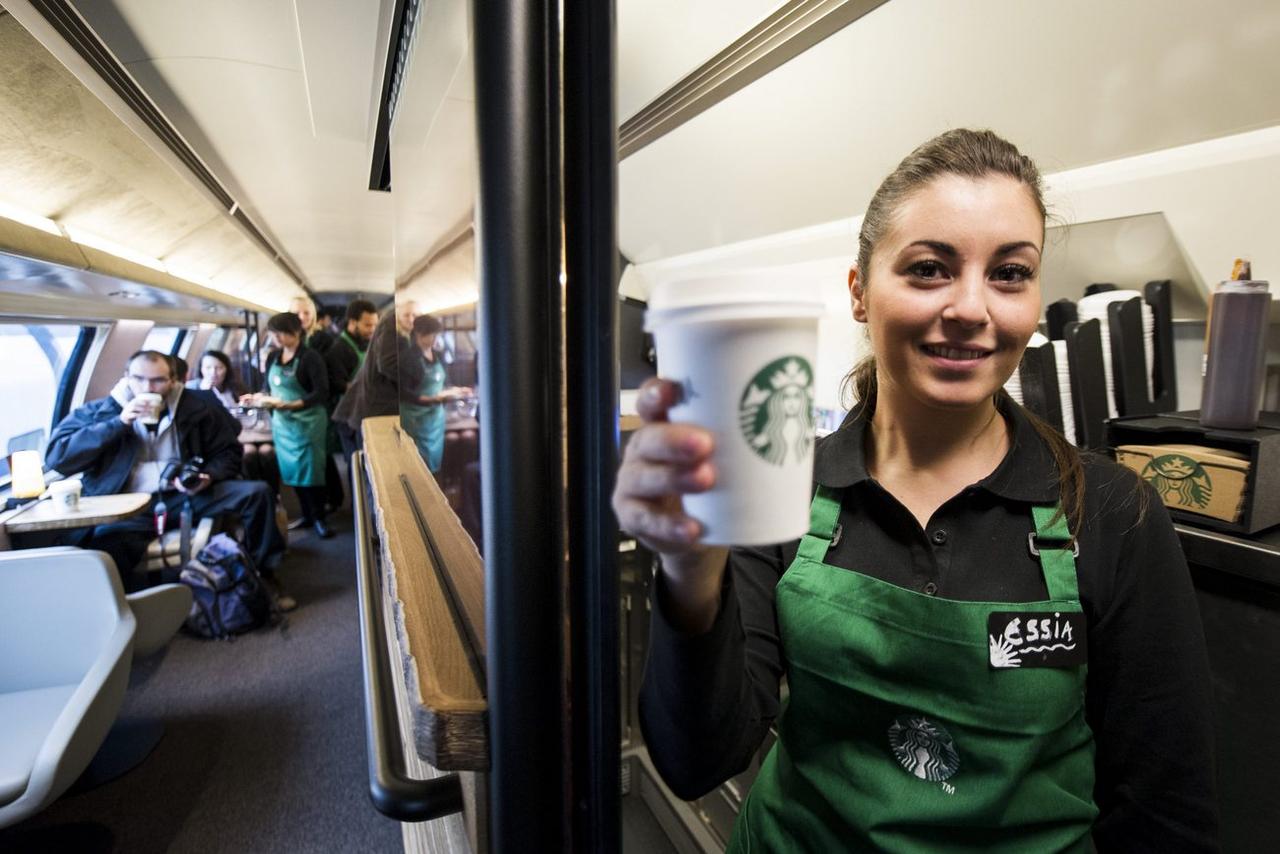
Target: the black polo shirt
(708, 700)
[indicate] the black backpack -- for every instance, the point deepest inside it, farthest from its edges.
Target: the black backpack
(228, 595)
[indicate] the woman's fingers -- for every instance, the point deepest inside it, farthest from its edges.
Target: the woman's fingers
(655, 398)
(660, 526)
(663, 461)
(639, 479)
(684, 444)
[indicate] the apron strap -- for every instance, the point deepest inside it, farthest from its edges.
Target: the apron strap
(1053, 545)
(823, 514)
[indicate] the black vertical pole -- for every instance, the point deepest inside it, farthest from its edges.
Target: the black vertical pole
(591, 260)
(518, 228)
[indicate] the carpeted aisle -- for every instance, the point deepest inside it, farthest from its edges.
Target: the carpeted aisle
(263, 748)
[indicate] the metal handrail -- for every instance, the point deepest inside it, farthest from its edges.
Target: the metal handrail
(392, 790)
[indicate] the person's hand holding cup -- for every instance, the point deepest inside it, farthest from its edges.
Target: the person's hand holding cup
(144, 408)
(663, 463)
(734, 463)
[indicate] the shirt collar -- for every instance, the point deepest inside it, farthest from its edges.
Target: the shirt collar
(1027, 472)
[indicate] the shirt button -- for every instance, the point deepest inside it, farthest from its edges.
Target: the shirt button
(939, 537)
(930, 589)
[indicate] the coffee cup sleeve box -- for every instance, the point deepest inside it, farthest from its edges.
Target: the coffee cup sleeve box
(1246, 490)
(1192, 478)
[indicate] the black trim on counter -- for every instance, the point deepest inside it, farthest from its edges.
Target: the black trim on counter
(466, 631)
(1256, 558)
(392, 790)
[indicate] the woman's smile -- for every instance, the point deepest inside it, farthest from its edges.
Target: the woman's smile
(956, 357)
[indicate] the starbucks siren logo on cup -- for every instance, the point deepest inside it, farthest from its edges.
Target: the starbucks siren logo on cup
(742, 347)
(776, 412)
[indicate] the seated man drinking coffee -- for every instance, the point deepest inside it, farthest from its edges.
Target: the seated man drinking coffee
(150, 435)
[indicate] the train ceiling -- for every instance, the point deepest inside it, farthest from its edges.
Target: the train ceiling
(279, 98)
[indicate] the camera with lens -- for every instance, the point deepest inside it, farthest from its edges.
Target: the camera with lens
(186, 473)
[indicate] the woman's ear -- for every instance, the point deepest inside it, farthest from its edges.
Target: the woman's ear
(857, 294)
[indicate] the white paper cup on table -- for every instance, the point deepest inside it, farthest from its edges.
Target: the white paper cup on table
(65, 494)
(742, 347)
(151, 403)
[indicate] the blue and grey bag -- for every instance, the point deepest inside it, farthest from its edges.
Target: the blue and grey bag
(228, 595)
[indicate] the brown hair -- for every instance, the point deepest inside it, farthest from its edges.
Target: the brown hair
(974, 154)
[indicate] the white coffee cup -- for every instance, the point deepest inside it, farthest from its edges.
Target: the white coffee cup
(65, 494)
(743, 347)
(151, 403)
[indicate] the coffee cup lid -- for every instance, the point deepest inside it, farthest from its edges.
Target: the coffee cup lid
(752, 293)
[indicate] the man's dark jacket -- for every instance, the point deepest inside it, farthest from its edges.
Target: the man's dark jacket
(342, 360)
(392, 369)
(95, 441)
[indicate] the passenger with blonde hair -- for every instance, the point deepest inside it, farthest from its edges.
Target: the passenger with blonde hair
(315, 334)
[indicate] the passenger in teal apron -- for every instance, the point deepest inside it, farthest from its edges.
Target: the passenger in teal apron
(990, 642)
(424, 417)
(297, 387)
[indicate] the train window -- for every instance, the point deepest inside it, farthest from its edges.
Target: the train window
(38, 356)
(164, 339)
(218, 338)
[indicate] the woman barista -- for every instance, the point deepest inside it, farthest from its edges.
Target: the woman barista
(990, 642)
(424, 417)
(297, 386)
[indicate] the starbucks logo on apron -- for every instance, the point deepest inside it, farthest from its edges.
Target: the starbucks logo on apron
(776, 411)
(924, 748)
(1181, 476)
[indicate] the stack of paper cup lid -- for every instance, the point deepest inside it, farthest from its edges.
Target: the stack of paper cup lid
(1064, 391)
(1094, 307)
(1014, 385)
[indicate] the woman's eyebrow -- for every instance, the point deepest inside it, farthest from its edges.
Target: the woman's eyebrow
(1006, 248)
(944, 248)
(938, 246)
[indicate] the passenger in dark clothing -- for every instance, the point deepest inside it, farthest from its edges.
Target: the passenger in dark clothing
(108, 442)
(344, 360)
(218, 380)
(391, 365)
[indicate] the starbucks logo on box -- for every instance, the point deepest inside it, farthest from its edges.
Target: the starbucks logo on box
(1179, 476)
(776, 411)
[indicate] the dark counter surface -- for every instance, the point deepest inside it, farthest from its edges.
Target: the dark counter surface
(1255, 556)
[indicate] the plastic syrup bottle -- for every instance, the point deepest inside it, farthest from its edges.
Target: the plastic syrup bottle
(1236, 365)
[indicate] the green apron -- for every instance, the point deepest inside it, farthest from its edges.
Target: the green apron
(360, 354)
(426, 423)
(899, 734)
(299, 434)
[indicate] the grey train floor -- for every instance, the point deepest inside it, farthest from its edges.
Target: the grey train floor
(263, 748)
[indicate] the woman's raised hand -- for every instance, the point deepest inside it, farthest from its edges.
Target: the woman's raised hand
(663, 462)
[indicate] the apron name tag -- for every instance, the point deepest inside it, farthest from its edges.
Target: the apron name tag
(1036, 639)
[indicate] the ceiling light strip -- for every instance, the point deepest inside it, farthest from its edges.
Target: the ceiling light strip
(784, 34)
(404, 26)
(63, 17)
